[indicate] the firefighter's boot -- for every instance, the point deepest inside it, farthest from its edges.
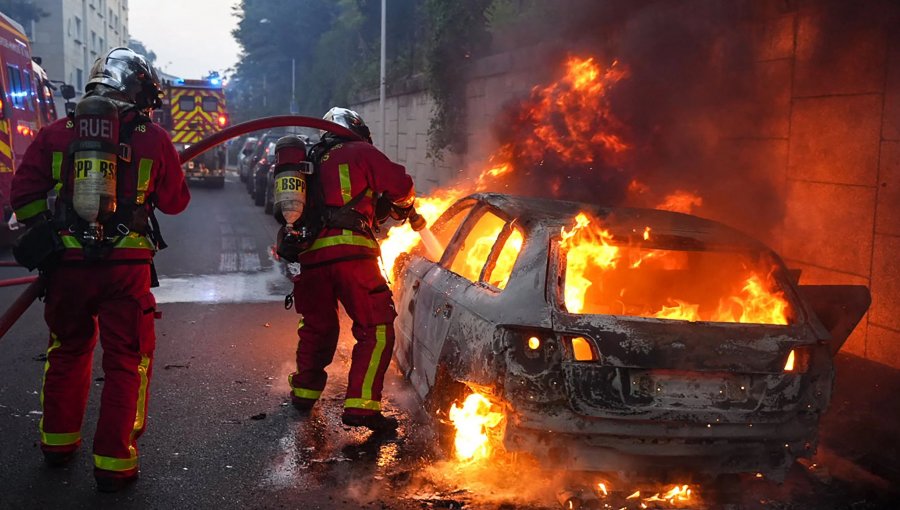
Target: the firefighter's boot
(376, 422)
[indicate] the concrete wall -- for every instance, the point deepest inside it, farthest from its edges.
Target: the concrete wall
(824, 125)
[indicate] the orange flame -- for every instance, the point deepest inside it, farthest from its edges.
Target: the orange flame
(403, 238)
(473, 421)
(571, 118)
(594, 260)
(681, 201)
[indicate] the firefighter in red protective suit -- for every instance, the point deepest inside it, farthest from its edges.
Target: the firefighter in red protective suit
(341, 264)
(99, 272)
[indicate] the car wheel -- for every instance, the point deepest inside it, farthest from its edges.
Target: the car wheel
(242, 175)
(443, 394)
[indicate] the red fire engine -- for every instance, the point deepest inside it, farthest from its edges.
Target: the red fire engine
(26, 105)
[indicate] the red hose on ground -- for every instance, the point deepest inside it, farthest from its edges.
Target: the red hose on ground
(37, 284)
(21, 304)
(17, 281)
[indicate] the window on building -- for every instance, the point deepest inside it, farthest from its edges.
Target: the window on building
(110, 18)
(77, 27)
(93, 40)
(16, 90)
(102, 46)
(79, 78)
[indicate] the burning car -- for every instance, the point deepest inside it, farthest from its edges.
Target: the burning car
(618, 339)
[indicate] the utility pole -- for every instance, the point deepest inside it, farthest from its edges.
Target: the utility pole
(294, 109)
(381, 89)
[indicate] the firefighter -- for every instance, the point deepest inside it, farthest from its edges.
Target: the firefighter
(113, 167)
(341, 264)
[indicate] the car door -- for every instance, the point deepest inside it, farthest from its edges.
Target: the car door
(451, 292)
(414, 294)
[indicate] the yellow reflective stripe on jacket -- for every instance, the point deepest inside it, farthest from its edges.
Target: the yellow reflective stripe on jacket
(114, 464)
(57, 166)
(54, 438)
(369, 379)
(32, 209)
(354, 240)
(361, 403)
(346, 191)
(132, 240)
(143, 182)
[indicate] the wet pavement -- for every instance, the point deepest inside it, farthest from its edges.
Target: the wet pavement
(221, 432)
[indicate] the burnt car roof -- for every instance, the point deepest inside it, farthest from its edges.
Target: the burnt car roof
(669, 229)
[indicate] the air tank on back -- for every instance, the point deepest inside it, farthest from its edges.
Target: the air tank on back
(291, 169)
(95, 157)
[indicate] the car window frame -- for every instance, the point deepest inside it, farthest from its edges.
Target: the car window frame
(464, 230)
(508, 228)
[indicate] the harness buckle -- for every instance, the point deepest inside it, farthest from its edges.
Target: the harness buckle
(122, 229)
(125, 152)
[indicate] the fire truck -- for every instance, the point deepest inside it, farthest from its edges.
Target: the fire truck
(26, 105)
(193, 110)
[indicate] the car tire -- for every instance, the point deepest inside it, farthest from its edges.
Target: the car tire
(437, 404)
(259, 197)
(242, 175)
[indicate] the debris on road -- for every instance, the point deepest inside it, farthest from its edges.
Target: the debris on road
(257, 417)
(40, 357)
(177, 365)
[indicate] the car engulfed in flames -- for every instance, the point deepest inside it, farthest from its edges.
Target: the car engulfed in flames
(621, 340)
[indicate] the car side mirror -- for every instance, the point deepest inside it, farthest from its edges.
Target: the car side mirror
(67, 91)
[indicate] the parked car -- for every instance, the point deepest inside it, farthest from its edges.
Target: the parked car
(584, 347)
(260, 152)
(246, 152)
(259, 172)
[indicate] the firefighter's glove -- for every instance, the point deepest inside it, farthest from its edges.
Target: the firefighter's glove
(40, 246)
(400, 213)
(288, 246)
(383, 208)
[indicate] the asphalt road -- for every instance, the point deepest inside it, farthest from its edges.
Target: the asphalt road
(221, 433)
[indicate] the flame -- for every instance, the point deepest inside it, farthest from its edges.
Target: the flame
(675, 497)
(618, 273)
(403, 238)
(569, 118)
(473, 421)
(594, 250)
(681, 201)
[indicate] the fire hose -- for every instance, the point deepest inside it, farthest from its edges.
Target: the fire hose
(36, 287)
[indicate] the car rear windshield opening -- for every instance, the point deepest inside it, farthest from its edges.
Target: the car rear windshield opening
(601, 277)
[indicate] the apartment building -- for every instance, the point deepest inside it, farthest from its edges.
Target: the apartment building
(74, 34)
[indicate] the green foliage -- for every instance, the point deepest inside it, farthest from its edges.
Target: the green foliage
(335, 45)
(457, 33)
(23, 11)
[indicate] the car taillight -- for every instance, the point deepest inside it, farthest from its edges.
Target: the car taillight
(222, 120)
(797, 361)
(581, 348)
